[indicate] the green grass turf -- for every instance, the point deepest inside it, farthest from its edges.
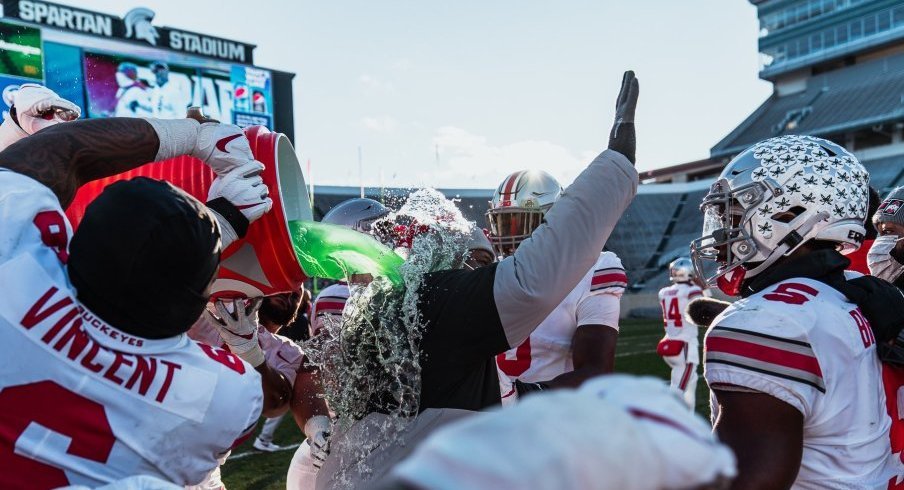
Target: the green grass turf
(636, 354)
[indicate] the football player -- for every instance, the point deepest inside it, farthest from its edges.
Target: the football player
(286, 383)
(795, 379)
(471, 315)
(680, 347)
(577, 340)
(358, 214)
(886, 255)
(98, 381)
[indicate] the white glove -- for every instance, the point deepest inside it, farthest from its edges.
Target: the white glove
(317, 430)
(39, 107)
(222, 146)
(244, 188)
(238, 328)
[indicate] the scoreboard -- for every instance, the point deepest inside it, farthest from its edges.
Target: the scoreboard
(127, 66)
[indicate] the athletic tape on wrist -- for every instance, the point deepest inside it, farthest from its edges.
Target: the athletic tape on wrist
(177, 137)
(254, 356)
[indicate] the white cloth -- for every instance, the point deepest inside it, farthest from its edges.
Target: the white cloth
(140, 482)
(368, 436)
(684, 371)
(269, 428)
(165, 408)
(302, 473)
(614, 432)
(802, 342)
(547, 351)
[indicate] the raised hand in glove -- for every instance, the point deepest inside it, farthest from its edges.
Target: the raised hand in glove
(317, 430)
(237, 199)
(236, 322)
(622, 138)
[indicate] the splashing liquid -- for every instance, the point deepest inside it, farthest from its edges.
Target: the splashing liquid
(369, 361)
(338, 253)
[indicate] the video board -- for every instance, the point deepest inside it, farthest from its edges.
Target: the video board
(120, 79)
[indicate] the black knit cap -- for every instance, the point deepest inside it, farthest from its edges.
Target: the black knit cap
(143, 256)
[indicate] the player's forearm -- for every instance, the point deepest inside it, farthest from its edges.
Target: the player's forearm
(593, 350)
(546, 267)
(277, 391)
(307, 397)
(65, 156)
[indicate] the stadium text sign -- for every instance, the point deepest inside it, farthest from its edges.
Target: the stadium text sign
(135, 26)
(66, 18)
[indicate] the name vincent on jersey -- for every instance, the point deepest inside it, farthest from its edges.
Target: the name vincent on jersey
(134, 372)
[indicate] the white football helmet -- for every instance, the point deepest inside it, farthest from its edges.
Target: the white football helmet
(358, 214)
(518, 208)
(681, 270)
(773, 197)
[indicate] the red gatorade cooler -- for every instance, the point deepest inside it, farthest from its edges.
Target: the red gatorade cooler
(262, 263)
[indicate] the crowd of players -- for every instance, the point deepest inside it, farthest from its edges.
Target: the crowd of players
(118, 371)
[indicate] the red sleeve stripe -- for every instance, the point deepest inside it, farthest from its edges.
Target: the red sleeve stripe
(607, 278)
(330, 305)
(783, 358)
(694, 294)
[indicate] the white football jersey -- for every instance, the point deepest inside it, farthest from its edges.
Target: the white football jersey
(673, 300)
(280, 353)
(85, 403)
(594, 301)
(329, 303)
(804, 343)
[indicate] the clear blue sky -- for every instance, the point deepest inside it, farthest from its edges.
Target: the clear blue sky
(494, 86)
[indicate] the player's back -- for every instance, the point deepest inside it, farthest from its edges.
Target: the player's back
(674, 299)
(547, 352)
(804, 343)
(82, 402)
(86, 403)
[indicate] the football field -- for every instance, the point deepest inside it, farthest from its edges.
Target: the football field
(636, 354)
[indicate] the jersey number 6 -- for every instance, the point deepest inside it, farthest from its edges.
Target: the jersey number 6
(32, 409)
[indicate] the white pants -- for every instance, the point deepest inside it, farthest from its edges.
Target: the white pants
(302, 473)
(684, 371)
(269, 428)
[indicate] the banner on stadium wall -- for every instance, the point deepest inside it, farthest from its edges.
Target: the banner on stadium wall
(135, 26)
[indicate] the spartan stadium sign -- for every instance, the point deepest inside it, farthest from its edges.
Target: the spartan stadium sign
(135, 26)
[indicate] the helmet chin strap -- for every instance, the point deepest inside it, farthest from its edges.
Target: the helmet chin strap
(788, 244)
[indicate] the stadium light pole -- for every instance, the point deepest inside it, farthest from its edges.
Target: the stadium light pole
(360, 171)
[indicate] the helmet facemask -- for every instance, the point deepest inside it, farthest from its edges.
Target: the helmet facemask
(511, 226)
(727, 242)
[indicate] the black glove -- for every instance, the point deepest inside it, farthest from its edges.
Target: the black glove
(622, 137)
(526, 388)
(880, 302)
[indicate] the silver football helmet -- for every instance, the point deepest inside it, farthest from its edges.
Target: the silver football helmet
(518, 207)
(681, 270)
(358, 214)
(773, 197)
